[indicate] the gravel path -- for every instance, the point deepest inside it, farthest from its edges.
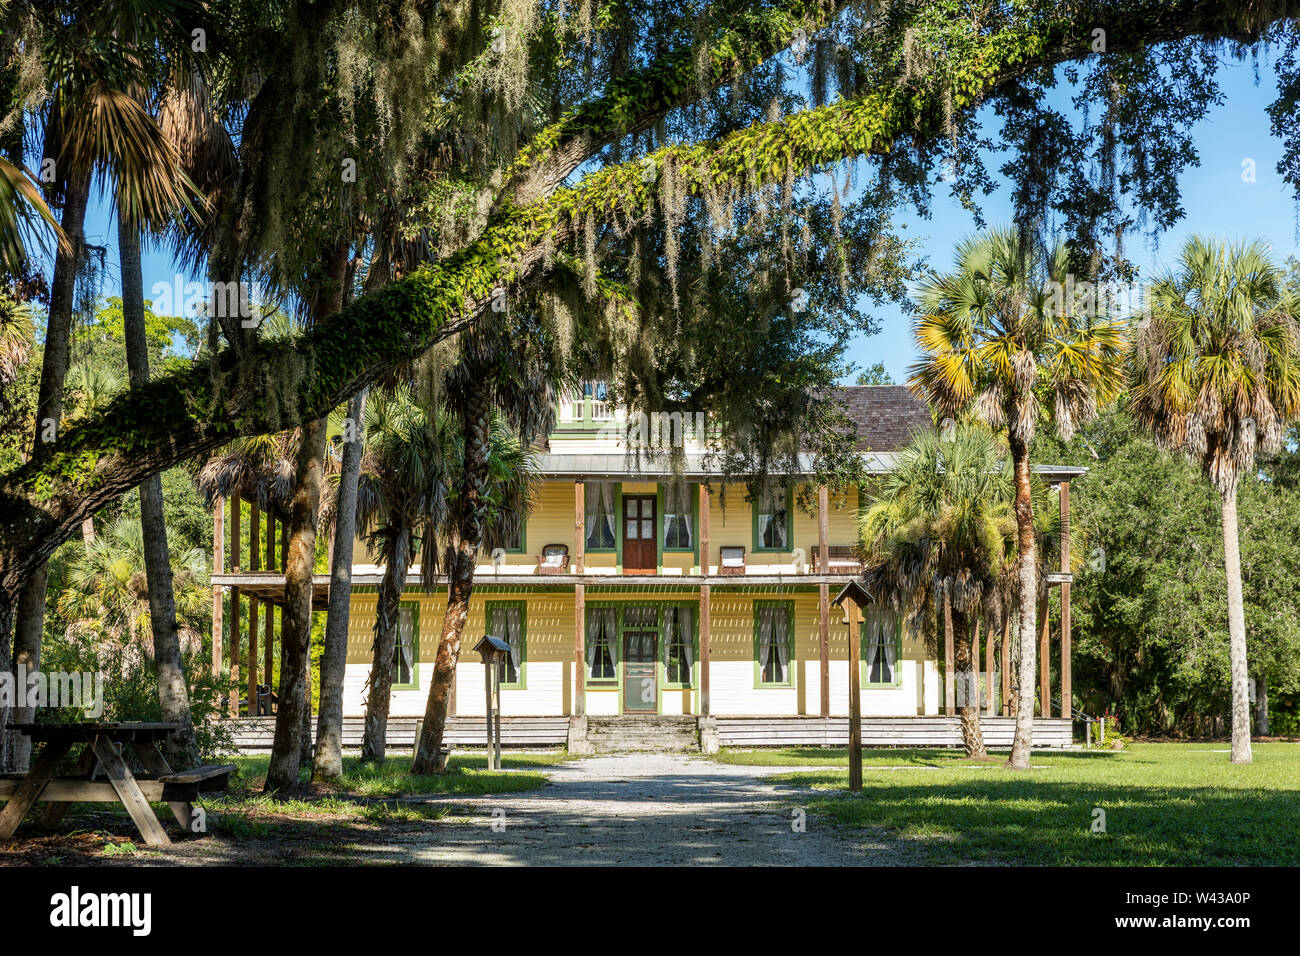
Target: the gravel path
(636, 810)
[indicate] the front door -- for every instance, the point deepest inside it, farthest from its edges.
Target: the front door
(639, 534)
(640, 685)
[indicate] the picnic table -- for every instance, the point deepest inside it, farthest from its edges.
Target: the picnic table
(101, 744)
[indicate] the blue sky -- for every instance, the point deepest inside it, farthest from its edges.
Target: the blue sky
(1216, 199)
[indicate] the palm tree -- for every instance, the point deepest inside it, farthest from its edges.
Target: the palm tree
(1007, 335)
(941, 528)
(1216, 376)
(507, 371)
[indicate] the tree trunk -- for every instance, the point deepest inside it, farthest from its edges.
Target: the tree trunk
(387, 621)
(1023, 739)
(7, 602)
(477, 416)
(295, 636)
(1236, 632)
(1261, 706)
(328, 764)
(968, 696)
(27, 654)
(173, 691)
(30, 603)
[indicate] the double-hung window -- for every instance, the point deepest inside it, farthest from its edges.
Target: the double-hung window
(602, 643)
(600, 516)
(679, 643)
(881, 646)
(772, 519)
(505, 619)
(679, 526)
(774, 638)
(406, 646)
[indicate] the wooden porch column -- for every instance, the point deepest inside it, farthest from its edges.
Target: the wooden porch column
(235, 638)
(706, 603)
(824, 597)
(855, 699)
(254, 564)
(218, 567)
(268, 652)
(1067, 698)
(579, 601)
(949, 676)
(990, 707)
(1044, 656)
(1005, 710)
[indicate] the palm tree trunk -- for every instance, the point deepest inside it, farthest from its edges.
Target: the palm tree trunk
(7, 602)
(328, 764)
(387, 621)
(1023, 739)
(30, 606)
(972, 740)
(173, 692)
(477, 414)
(295, 637)
(1236, 632)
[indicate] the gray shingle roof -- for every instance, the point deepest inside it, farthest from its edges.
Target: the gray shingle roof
(886, 416)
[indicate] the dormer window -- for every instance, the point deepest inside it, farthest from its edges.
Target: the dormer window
(589, 403)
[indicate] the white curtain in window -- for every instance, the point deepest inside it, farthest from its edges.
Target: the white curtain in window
(781, 639)
(677, 514)
(765, 619)
(602, 632)
(406, 640)
(598, 509)
(772, 519)
(686, 623)
(514, 637)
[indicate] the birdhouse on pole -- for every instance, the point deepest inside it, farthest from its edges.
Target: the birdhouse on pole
(853, 599)
(493, 651)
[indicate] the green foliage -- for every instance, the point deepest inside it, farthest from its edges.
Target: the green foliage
(1149, 605)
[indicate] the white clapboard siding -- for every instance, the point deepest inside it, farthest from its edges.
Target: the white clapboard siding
(762, 731)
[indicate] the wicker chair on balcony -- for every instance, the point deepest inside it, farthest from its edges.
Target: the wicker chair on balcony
(731, 559)
(554, 559)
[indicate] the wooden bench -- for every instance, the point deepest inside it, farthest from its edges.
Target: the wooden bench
(839, 557)
(211, 779)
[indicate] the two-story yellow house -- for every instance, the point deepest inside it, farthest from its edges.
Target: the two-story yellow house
(637, 590)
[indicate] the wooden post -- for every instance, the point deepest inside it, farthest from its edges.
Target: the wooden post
(268, 652)
(1044, 656)
(990, 705)
(1067, 696)
(236, 562)
(855, 699)
(949, 675)
(1006, 664)
(824, 597)
(254, 564)
(218, 567)
(580, 650)
(489, 691)
(975, 664)
(579, 527)
(706, 602)
(496, 711)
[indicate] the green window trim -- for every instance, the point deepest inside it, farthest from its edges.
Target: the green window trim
(488, 608)
(523, 539)
(864, 661)
(692, 683)
(792, 662)
(605, 683)
(694, 549)
(415, 645)
(789, 525)
(617, 550)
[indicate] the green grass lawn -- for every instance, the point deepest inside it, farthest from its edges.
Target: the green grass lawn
(1164, 804)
